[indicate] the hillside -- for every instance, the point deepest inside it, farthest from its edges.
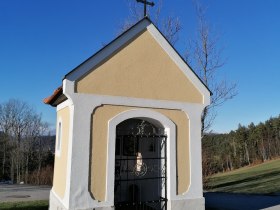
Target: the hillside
(259, 179)
(245, 146)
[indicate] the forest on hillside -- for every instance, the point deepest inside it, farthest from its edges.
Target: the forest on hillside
(26, 151)
(248, 145)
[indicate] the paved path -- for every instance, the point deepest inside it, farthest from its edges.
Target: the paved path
(9, 193)
(232, 201)
(221, 201)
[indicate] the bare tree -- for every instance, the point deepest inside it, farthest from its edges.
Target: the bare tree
(3, 141)
(21, 118)
(6, 124)
(205, 56)
(33, 134)
(21, 129)
(41, 147)
(170, 25)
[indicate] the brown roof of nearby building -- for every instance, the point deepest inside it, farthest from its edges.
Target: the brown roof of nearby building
(56, 98)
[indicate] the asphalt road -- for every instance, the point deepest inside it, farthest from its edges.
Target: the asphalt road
(232, 201)
(9, 193)
(221, 201)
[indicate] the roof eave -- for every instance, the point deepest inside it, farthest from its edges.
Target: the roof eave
(54, 97)
(106, 46)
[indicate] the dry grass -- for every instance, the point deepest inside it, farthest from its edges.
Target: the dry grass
(28, 205)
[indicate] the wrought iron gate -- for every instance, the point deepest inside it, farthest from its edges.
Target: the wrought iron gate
(140, 172)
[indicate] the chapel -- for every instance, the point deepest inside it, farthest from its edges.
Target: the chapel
(128, 128)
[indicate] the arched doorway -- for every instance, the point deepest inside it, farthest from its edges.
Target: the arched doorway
(140, 165)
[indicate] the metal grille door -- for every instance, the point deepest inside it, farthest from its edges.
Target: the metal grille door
(140, 172)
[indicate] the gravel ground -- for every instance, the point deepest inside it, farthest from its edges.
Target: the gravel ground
(233, 201)
(10, 193)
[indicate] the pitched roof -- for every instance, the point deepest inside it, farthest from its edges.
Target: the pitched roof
(107, 45)
(59, 93)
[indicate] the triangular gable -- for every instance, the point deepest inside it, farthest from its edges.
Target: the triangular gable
(143, 26)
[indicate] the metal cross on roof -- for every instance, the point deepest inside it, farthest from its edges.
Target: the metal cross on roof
(145, 2)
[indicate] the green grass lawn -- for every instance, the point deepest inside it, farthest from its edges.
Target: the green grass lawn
(27, 205)
(260, 179)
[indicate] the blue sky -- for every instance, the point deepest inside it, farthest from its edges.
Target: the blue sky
(40, 41)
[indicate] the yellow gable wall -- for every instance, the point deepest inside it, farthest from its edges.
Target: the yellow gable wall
(99, 143)
(142, 69)
(60, 166)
